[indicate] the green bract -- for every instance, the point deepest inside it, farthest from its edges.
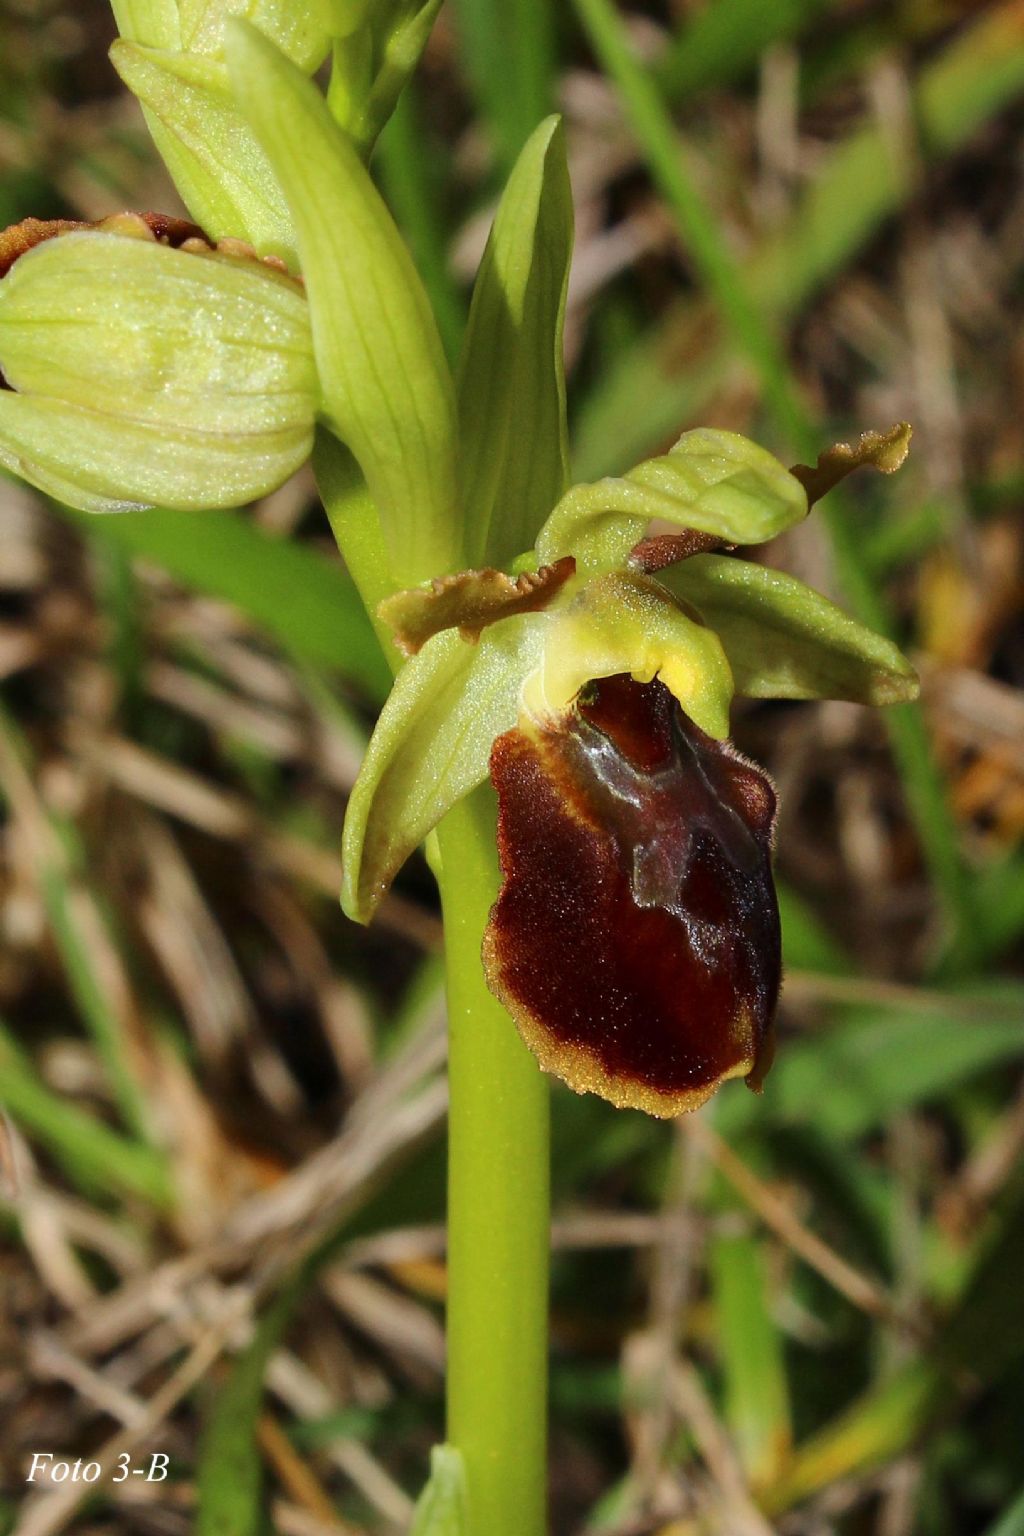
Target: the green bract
(376, 49)
(221, 173)
(441, 1509)
(143, 374)
(386, 387)
(511, 380)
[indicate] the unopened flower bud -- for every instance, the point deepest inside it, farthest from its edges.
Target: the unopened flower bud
(138, 373)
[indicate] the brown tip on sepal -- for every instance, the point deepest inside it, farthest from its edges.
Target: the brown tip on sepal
(635, 940)
(885, 451)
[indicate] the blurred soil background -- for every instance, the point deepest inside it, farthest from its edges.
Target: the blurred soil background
(221, 1181)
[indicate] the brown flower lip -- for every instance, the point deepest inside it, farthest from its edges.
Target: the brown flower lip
(635, 940)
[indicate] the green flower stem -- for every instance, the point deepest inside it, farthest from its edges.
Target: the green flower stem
(498, 1134)
(498, 1208)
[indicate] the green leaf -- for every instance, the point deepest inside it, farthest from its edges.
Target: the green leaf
(431, 746)
(511, 380)
(714, 482)
(442, 1508)
(387, 391)
(305, 600)
(784, 640)
(222, 174)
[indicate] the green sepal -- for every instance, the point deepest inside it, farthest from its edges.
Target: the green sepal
(712, 481)
(372, 62)
(621, 622)
(786, 641)
(442, 1509)
(431, 746)
(302, 32)
(387, 391)
(143, 374)
(99, 463)
(155, 23)
(219, 169)
(511, 379)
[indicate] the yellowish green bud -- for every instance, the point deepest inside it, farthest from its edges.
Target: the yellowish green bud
(138, 373)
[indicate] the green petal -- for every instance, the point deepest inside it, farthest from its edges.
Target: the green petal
(223, 176)
(712, 481)
(431, 746)
(623, 623)
(386, 387)
(786, 641)
(511, 376)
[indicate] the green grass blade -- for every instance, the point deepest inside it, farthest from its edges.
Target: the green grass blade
(645, 397)
(665, 156)
(982, 1342)
(229, 1476)
(723, 41)
(1012, 1522)
(509, 52)
(750, 1348)
(97, 1160)
(64, 909)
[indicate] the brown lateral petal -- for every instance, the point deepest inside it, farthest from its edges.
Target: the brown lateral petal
(882, 450)
(470, 600)
(663, 549)
(636, 937)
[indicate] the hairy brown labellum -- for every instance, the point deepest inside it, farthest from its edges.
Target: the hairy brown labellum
(636, 938)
